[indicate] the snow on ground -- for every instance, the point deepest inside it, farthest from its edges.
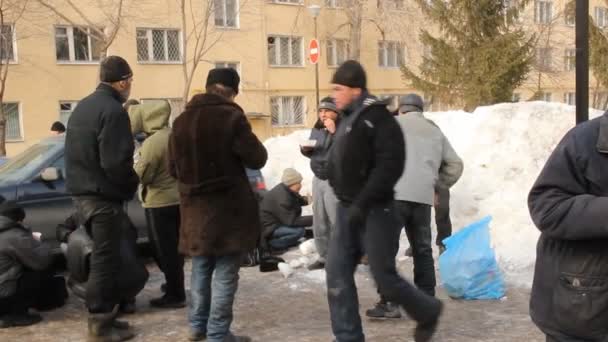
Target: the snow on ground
(503, 147)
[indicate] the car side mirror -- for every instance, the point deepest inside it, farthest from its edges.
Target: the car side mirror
(50, 174)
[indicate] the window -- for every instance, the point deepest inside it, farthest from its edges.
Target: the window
(543, 11)
(570, 98)
(13, 121)
(158, 45)
(334, 3)
(65, 110)
(226, 13)
(543, 59)
(338, 51)
(390, 54)
(234, 65)
(516, 97)
(544, 97)
(8, 43)
(601, 17)
(287, 110)
(570, 19)
(76, 44)
(570, 60)
(285, 51)
(391, 4)
(289, 2)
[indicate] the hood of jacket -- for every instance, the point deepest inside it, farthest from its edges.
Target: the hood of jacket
(149, 117)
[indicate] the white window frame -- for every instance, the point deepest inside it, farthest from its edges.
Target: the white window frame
(545, 96)
(570, 98)
(287, 2)
(392, 5)
(73, 104)
(21, 138)
(333, 45)
(516, 97)
(333, 4)
(277, 47)
(71, 48)
(543, 11)
(570, 20)
(226, 64)
(385, 45)
(546, 63)
(281, 111)
(570, 60)
(600, 14)
(150, 41)
(237, 19)
(15, 59)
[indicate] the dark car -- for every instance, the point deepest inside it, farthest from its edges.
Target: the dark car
(35, 179)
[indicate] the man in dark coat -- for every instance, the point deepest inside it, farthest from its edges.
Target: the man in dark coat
(282, 221)
(569, 205)
(211, 145)
(366, 160)
(26, 281)
(100, 177)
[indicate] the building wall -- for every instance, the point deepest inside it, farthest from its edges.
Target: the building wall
(38, 82)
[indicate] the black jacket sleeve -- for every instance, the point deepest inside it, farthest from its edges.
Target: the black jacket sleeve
(31, 252)
(116, 149)
(388, 160)
(560, 203)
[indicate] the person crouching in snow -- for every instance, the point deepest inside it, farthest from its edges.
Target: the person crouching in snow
(282, 222)
(325, 201)
(160, 197)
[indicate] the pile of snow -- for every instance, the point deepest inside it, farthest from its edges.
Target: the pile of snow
(503, 147)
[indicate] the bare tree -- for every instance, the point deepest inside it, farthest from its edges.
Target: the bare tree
(102, 29)
(11, 11)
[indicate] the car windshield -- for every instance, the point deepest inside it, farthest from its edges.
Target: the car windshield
(22, 165)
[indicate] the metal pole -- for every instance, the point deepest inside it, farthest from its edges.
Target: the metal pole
(317, 67)
(582, 61)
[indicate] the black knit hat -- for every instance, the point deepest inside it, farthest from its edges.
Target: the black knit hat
(227, 77)
(12, 210)
(329, 104)
(114, 69)
(350, 74)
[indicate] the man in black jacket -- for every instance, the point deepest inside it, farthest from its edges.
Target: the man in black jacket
(366, 160)
(100, 177)
(281, 213)
(569, 205)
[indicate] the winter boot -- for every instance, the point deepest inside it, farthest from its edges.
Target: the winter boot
(102, 328)
(168, 302)
(234, 338)
(384, 310)
(19, 320)
(425, 330)
(196, 336)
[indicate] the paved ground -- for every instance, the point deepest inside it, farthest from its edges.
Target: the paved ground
(273, 309)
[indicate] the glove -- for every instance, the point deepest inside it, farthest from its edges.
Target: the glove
(355, 217)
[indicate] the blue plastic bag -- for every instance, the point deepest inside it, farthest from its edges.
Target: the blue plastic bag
(468, 267)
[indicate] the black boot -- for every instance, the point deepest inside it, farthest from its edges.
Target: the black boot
(102, 329)
(168, 302)
(384, 310)
(19, 320)
(425, 330)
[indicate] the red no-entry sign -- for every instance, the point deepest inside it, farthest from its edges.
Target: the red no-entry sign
(314, 51)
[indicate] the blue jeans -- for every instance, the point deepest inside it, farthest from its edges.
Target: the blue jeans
(285, 237)
(213, 295)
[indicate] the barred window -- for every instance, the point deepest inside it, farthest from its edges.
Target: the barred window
(543, 59)
(158, 45)
(391, 4)
(334, 3)
(338, 51)
(544, 96)
(65, 110)
(76, 44)
(287, 110)
(13, 121)
(601, 17)
(7, 43)
(233, 65)
(516, 97)
(390, 54)
(226, 13)
(285, 51)
(543, 11)
(570, 98)
(290, 2)
(570, 60)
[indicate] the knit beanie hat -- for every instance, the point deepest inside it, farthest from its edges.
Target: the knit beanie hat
(12, 210)
(114, 69)
(291, 177)
(350, 74)
(329, 104)
(227, 77)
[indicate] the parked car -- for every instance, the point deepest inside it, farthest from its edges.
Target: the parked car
(36, 180)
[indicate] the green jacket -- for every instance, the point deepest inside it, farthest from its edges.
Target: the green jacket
(158, 188)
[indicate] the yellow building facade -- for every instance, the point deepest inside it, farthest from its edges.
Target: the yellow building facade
(55, 62)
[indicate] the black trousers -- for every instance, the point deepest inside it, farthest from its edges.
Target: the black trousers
(104, 221)
(40, 290)
(163, 232)
(442, 216)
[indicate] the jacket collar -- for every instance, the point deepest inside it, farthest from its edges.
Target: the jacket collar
(602, 140)
(107, 89)
(210, 100)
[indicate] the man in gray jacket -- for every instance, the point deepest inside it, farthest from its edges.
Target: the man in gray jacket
(431, 164)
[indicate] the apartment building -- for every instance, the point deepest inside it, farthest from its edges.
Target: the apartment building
(54, 59)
